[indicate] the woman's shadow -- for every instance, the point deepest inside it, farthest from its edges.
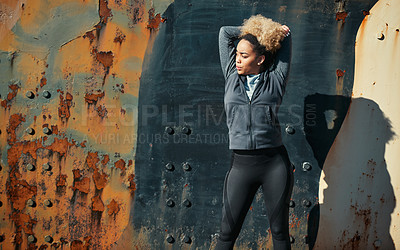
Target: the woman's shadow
(356, 195)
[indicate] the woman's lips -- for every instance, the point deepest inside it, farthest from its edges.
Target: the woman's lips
(238, 68)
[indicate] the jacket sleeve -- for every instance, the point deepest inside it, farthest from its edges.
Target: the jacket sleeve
(227, 50)
(280, 71)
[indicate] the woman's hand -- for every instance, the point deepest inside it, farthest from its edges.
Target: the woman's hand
(286, 30)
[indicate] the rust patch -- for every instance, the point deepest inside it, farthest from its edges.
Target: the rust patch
(81, 184)
(19, 191)
(132, 184)
(65, 105)
(105, 160)
(97, 204)
(340, 73)
(43, 81)
(93, 98)
(119, 37)
(100, 180)
(60, 146)
(89, 35)
(14, 121)
(54, 129)
(341, 16)
(282, 8)
(104, 11)
(365, 12)
(92, 159)
(154, 20)
(83, 144)
(105, 58)
(23, 221)
(14, 90)
(61, 180)
(101, 111)
(121, 165)
(79, 245)
(113, 208)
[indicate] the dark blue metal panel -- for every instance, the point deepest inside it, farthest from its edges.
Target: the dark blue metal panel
(181, 118)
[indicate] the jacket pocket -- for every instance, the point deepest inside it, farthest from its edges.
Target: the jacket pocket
(238, 121)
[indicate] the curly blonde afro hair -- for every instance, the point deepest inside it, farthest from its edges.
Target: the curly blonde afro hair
(268, 33)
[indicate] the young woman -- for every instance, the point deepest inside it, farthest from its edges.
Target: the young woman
(256, 73)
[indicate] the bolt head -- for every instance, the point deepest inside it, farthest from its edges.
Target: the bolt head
(187, 203)
(170, 203)
(48, 203)
(46, 167)
(48, 238)
(186, 130)
(46, 94)
(169, 130)
(30, 167)
(290, 130)
(47, 130)
(30, 203)
(31, 239)
(187, 239)
(291, 238)
(169, 166)
(186, 166)
(292, 204)
(170, 239)
(1, 204)
(30, 94)
(307, 166)
(30, 131)
(306, 203)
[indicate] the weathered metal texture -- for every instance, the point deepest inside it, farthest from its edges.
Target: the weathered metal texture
(360, 180)
(109, 183)
(69, 74)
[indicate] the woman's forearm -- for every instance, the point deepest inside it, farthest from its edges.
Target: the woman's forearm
(227, 51)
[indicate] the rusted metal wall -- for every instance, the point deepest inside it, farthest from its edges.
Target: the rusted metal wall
(113, 132)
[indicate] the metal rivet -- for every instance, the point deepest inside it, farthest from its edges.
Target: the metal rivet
(306, 203)
(48, 203)
(30, 131)
(46, 94)
(31, 239)
(187, 239)
(170, 167)
(291, 238)
(186, 130)
(380, 36)
(170, 203)
(186, 166)
(47, 131)
(377, 243)
(48, 239)
(30, 94)
(47, 167)
(1, 204)
(169, 130)
(31, 203)
(187, 203)
(290, 130)
(30, 167)
(307, 166)
(2, 238)
(170, 239)
(292, 204)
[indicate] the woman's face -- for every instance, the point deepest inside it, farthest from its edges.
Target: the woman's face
(247, 61)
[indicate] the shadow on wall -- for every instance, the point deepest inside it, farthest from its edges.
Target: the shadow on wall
(355, 212)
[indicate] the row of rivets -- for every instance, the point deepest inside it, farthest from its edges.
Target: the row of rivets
(184, 130)
(186, 239)
(46, 130)
(31, 95)
(47, 238)
(32, 167)
(304, 202)
(170, 167)
(171, 203)
(32, 203)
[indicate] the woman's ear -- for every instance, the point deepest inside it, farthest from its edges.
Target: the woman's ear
(260, 59)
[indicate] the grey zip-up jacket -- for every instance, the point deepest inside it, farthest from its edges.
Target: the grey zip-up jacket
(253, 124)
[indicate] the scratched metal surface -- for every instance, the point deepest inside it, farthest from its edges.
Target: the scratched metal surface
(117, 74)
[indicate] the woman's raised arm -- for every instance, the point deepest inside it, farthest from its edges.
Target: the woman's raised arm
(227, 50)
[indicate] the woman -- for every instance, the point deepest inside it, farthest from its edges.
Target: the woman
(255, 74)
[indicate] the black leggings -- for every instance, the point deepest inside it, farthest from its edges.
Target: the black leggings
(250, 169)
